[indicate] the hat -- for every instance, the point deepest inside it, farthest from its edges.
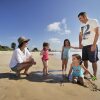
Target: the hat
(22, 39)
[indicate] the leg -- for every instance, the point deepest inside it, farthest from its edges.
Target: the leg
(26, 70)
(74, 79)
(93, 58)
(86, 65)
(81, 80)
(44, 71)
(85, 56)
(66, 65)
(46, 67)
(63, 64)
(94, 66)
(24, 67)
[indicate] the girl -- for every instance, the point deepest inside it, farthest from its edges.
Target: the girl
(65, 56)
(45, 58)
(76, 69)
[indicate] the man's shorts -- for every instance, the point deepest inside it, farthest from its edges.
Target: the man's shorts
(87, 54)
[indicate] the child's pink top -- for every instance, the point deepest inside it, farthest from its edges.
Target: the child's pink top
(45, 54)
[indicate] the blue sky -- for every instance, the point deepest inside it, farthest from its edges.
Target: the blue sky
(44, 20)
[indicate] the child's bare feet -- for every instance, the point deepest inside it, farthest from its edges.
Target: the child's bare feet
(48, 73)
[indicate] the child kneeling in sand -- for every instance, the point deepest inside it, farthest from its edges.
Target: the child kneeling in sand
(21, 58)
(76, 69)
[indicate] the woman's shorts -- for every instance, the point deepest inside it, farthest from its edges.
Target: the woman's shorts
(15, 68)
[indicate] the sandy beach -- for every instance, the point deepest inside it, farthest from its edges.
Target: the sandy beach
(37, 87)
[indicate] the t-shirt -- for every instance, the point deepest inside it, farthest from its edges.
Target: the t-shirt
(19, 57)
(88, 31)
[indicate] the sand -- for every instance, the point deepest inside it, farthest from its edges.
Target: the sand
(37, 87)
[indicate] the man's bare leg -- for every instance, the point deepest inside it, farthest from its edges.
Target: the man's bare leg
(86, 65)
(94, 66)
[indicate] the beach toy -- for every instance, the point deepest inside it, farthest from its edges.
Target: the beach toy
(94, 78)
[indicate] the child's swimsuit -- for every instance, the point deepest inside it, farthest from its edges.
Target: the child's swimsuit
(77, 71)
(45, 55)
(66, 53)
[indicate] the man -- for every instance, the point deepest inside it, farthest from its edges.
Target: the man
(21, 58)
(88, 37)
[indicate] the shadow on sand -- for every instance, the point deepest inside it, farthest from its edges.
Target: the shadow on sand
(37, 77)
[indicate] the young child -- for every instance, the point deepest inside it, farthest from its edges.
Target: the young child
(76, 69)
(45, 58)
(65, 56)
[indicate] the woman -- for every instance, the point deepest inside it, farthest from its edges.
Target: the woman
(21, 58)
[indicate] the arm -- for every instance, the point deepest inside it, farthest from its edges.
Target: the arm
(51, 54)
(62, 53)
(41, 53)
(95, 39)
(86, 69)
(29, 58)
(80, 40)
(70, 70)
(75, 47)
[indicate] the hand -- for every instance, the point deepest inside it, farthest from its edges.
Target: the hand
(80, 46)
(34, 63)
(93, 47)
(29, 58)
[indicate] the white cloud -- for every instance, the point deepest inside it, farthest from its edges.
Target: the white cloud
(59, 27)
(55, 43)
(54, 40)
(54, 26)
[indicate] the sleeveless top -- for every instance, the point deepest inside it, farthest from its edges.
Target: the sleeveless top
(66, 52)
(45, 55)
(77, 71)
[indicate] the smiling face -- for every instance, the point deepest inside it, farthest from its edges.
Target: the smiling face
(25, 44)
(74, 59)
(83, 19)
(47, 47)
(66, 43)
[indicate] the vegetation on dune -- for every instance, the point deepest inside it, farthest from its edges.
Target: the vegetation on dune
(4, 48)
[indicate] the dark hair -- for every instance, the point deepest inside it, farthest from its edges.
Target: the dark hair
(20, 45)
(45, 44)
(82, 14)
(78, 57)
(65, 41)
